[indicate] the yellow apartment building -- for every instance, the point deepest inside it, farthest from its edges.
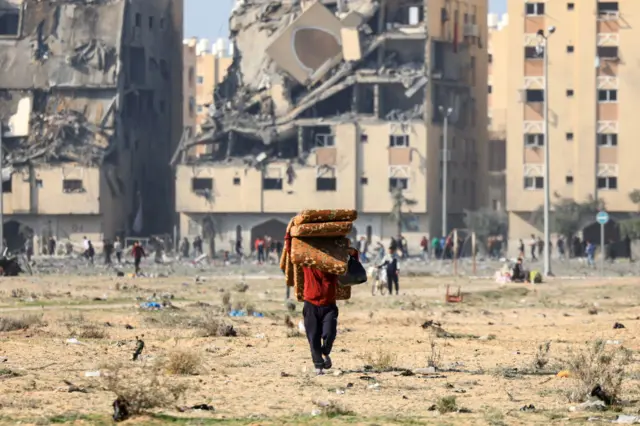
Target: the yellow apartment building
(339, 107)
(592, 76)
(497, 111)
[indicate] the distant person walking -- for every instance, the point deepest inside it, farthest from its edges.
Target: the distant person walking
(117, 247)
(390, 262)
(138, 253)
(533, 244)
(591, 252)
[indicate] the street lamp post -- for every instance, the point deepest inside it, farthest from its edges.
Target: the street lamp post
(445, 165)
(543, 45)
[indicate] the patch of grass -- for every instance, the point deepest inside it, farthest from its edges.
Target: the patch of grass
(494, 417)
(241, 287)
(183, 362)
(434, 354)
(446, 404)
(7, 373)
(294, 332)
(142, 388)
(75, 417)
(380, 359)
(597, 364)
(334, 409)
(21, 323)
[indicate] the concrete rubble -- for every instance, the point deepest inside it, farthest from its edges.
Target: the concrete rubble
(299, 63)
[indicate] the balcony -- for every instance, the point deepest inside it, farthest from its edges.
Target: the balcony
(608, 39)
(607, 83)
(607, 127)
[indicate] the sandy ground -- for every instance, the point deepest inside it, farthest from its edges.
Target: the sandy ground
(264, 375)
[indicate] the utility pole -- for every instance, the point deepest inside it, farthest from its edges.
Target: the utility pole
(445, 166)
(544, 46)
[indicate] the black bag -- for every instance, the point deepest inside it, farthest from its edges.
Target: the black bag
(355, 274)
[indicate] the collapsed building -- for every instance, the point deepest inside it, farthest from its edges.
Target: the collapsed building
(336, 104)
(90, 113)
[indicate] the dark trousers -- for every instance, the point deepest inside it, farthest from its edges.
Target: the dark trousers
(392, 278)
(136, 262)
(119, 256)
(321, 325)
(260, 255)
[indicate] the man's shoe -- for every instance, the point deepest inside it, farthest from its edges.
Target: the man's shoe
(327, 362)
(319, 372)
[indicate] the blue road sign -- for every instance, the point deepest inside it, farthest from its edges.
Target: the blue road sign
(602, 218)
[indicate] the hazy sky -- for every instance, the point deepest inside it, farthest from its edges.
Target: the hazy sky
(208, 18)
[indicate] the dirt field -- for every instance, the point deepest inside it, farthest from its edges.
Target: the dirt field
(486, 352)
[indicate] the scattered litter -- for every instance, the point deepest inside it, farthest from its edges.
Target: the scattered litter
(375, 386)
(301, 327)
(120, 410)
(74, 341)
(626, 420)
(316, 412)
(151, 305)
(283, 374)
(340, 391)
(128, 327)
(563, 374)
(92, 374)
(428, 370)
(613, 342)
(237, 313)
(589, 406)
(201, 407)
(618, 325)
(529, 407)
(260, 336)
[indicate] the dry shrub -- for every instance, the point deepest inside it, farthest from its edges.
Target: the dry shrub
(241, 287)
(142, 388)
(226, 299)
(19, 293)
(211, 325)
(91, 331)
(294, 332)
(542, 356)
(183, 362)
(381, 359)
(21, 323)
(597, 364)
(434, 356)
(446, 404)
(244, 305)
(333, 409)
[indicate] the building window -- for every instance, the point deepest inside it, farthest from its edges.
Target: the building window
(9, 22)
(532, 140)
(532, 183)
(399, 141)
(326, 184)
(534, 95)
(607, 7)
(608, 182)
(364, 181)
(607, 96)
(607, 52)
(570, 6)
(607, 139)
(568, 180)
(395, 183)
(533, 52)
(490, 58)
(200, 79)
(236, 181)
(150, 22)
(570, 48)
(192, 105)
(201, 184)
(72, 185)
(489, 89)
(192, 73)
(569, 136)
(534, 8)
(364, 138)
(325, 141)
(138, 20)
(7, 186)
(272, 184)
(569, 93)
(199, 109)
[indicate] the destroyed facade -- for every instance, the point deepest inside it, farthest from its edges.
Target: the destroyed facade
(335, 104)
(91, 110)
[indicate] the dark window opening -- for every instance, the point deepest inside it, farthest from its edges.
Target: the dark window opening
(137, 65)
(39, 183)
(569, 93)
(605, 7)
(9, 22)
(607, 96)
(607, 139)
(608, 182)
(150, 21)
(399, 141)
(7, 186)
(570, 6)
(489, 89)
(236, 181)
(272, 184)
(138, 20)
(490, 58)
(568, 180)
(364, 181)
(201, 184)
(534, 8)
(533, 52)
(326, 184)
(395, 183)
(569, 136)
(570, 49)
(535, 95)
(72, 185)
(364, 137)
(607, 52)
(533, 182)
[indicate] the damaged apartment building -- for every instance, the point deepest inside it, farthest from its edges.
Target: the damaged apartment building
(336, 104)
(90, 104)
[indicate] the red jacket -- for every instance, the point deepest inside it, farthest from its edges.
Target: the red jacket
(319, 287)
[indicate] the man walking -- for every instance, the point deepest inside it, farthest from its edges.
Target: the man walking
(137, 252)
(390, 262)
